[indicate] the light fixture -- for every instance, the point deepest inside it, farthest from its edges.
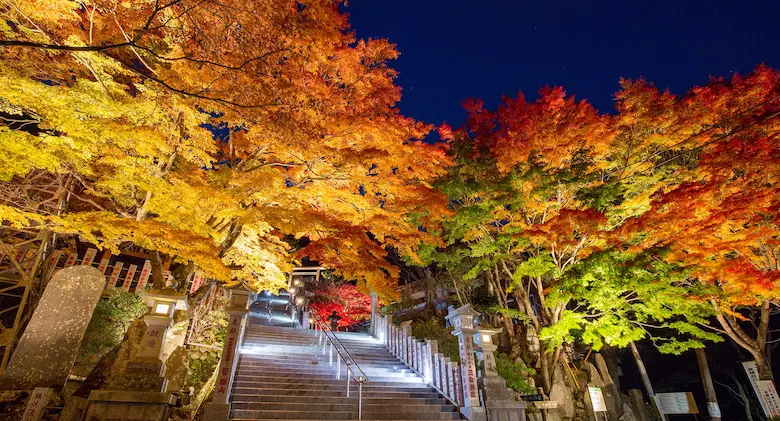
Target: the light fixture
(292, 291)
(297, 282)
(486, 339)
(162, 309)
(299, 301)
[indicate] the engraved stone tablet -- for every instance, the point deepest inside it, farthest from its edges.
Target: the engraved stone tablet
(50, 343)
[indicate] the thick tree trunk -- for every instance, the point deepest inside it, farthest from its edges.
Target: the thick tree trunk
(757, 346)
(545, 372)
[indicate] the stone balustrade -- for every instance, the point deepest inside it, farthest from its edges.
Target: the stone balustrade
(478, 398)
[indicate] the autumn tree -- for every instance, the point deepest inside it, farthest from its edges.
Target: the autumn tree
(346, 300)
(517, 186)
(128, 99)
(721, 219)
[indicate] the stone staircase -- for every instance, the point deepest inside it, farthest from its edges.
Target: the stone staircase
(283, 374)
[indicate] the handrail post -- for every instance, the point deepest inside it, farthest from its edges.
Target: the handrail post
(349, 372)
(338, 366)
(360, 400)
(330, 355)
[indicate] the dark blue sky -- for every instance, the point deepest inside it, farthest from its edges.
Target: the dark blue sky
(455, 49)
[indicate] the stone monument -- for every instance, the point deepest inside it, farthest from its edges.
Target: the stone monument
(50, 344)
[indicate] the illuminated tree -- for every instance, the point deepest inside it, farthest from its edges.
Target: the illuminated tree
(134, 100)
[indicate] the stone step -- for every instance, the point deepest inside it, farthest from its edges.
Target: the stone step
(340, 407)
(318, 361)
(379, 400)
(321, 368)
(330, 384)
(395, 393)
(244, 414)
(334, 385)
(258, 377)
(286, 374)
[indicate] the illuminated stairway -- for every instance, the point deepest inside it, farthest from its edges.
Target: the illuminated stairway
(283, 374)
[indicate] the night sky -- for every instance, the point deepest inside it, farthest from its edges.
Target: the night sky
(455, 49)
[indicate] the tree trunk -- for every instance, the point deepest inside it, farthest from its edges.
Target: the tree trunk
(709, 388)
(646, 380)
(158, 278)
(545, 372)
(758, 346)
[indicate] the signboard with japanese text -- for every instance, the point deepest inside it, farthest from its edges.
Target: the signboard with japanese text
(129, 277)
(104, 261)
(71, 260)
(114, 275)
(89, 257)
(53, 260)
(146, 270)
(765, 390)
(38, 401)
(468, 367)
(676, 403)
(197, 281)
(227, 365)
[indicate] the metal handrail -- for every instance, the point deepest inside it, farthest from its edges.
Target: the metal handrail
(342, 354)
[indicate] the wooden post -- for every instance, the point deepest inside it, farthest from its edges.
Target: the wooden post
(709, 389)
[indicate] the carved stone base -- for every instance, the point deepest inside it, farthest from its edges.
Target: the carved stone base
(115, 405)
(216, 412)
(143, 375)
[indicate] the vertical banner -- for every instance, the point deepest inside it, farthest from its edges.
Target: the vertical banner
(146, 270)
(104, 261)
(129, 277)
(227, 366)
(114, 275)
(197, 281)
(210, 299)
(89, 257)
(38, 401)
(468, 367)
(52, 263)
(765, 390)
(21, 253)
(71, 259)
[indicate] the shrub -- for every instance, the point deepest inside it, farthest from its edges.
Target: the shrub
(106, 329)
(432, 329)
(515, 374)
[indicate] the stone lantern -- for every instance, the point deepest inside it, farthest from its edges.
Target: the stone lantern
(462, 319)
(498, 400)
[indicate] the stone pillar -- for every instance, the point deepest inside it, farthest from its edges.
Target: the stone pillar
(305, 324)
(219, 407)
(406, 334)
(462, 319)
(374, 307)
(431, 349)
(388, 326)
